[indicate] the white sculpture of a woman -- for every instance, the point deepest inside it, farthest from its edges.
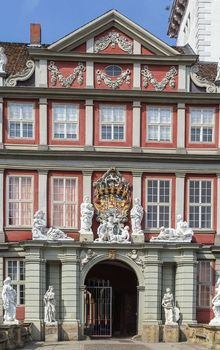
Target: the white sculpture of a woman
(169, 308)
(216, 306)
(9, 301)
(137, 213)
(87, 212)
(50, 306)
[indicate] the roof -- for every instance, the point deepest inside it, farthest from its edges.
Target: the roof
(17, 55)
(207, 70)
(177, 12)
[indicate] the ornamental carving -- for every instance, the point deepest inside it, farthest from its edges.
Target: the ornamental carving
(159, 86)
(201, 81)
(25, 74)
(3, 60)
(66, 81)
(89, 255)
(134, 256)
(114, 38)
(114, 84)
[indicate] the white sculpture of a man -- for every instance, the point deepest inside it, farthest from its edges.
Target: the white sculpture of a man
(87, 212)
(3, 60)
(50, 306)
(168, 305)
(216, 306)
(137, 213)
(9, 299)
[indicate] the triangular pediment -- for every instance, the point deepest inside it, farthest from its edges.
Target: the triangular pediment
(108, 22)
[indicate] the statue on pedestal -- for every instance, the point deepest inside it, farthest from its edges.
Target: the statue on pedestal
(87, 212)
(171, 312)
(49, 306)
(3, 60)
(9, 299)
(137, 213)
(216, 306)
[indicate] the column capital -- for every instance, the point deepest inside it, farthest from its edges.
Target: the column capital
(89, 103)
(87, 172)
(181, 105)
(2, 171)
(43, 101)
(42, 171)
(137, 173)
(140, 288)
(1, 100)
(179, 174)
(136, 104)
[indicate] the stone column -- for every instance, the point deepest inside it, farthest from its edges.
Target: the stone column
(2, 235)
(217, 237)
(182, 78)
(137, 185)
(87, 183)
(181, 127)
(1, 122)
(42, 191)
(136, 128)
(70, 295)
(1, 284)
(43, 123)
(137, 76)
(137, 48)
(180, 186)
(89, 124)
(90, 45)
(35, 288)
(186, 286)
(140, 292)
(90, 74)
(218, 131)
(41, 73)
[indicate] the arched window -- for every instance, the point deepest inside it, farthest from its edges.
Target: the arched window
(113, 70)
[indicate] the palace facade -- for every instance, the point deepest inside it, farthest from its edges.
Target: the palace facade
(108, 98)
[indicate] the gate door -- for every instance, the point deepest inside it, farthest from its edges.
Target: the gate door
(98, 309)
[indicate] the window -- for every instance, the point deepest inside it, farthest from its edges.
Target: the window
(65, 202)
(159, 124)
(20, 120)
(202, 125)
(158, 203)
(112, 123)
(20, 200)
(204, 284)
(66, 121)
(200, 204)
(113, 71)
(16, 270)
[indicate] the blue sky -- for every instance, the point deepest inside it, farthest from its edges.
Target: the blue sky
(60, 17)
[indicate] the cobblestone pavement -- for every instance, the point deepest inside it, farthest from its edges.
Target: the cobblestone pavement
(123, 344)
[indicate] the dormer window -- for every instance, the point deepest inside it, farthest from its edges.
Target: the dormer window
(113, 70)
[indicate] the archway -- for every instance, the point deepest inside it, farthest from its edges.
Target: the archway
(111, 300)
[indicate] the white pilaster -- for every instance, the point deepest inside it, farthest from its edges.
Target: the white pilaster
(43, 121)
(137, 76)
(1, 81)
(218, 204)
(181, 125)
(87, 183)
(182, 78)
(136, 129)
(137, 185)
(218, 127)
(89, 123)
(89, 74)
(2, 236)
(41, 73)
(180, 185)
(137, 48)
(1, 121)
(42, 191)
(90, 45)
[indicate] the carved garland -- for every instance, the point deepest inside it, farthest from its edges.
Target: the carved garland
(113, 38)
(202, 82)
(159, 86)
(114, 84)
(25, 74)
(66, 82)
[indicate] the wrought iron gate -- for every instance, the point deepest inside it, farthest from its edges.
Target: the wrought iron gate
(98, 309)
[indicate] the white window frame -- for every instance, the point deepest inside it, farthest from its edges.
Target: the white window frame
(112, 123)
(19, 200)
(64, 202)
(18, 282)
(21, 121)
(199, 284)
(65, 122)
(200, 204)
(201, 125)
(158, 203)
(148, 108)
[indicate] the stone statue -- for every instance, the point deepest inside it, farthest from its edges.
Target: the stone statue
(182, 233)
(54, 234)
(89, 255)
(113, 231)
(49, 306)
(87, 212)
(217, 79)
(39, 230)
(134, 256)
(9, 299)
(137, 213)
(171, 312)
(3, 60)
(216, 306)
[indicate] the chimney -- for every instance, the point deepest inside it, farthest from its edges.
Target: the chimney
(35, 34)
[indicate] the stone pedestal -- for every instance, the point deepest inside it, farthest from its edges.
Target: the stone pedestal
(151, 333)
(70, 331)
(86, 237)
(137, 238)
(171, 334)
(51, 332)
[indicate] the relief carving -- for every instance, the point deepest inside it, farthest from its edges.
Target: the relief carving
(114, 39)
(114, 84)
(159, 86)
(66, 81)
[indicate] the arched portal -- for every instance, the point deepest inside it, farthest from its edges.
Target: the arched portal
(111, 300)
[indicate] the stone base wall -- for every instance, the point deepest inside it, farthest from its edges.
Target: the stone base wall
(163, 333)
(208, 336)
(14, 336)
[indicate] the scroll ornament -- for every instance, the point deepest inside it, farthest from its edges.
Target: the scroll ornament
(114, 84)
(113, 38)
(201, 81)
(159, 86)
(25, 74)
(66, 82)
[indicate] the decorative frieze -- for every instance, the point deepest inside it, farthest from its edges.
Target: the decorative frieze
(159, 86)
(114, 38)
(25, 74)
(56, 75)
(114, 84)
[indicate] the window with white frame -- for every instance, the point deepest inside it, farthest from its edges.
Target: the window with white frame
(15, 268)
(200, 204)
(202, 124)
(65, 202)
(112, 123)
(65, 121)
(158, 197)
(204, 284)
(21, 120)
(20, 200)
(159, 124)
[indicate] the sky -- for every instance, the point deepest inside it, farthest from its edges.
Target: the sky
(60, 17)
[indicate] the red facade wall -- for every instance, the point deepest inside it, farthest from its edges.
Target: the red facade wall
(145, 51)
(80, 48)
